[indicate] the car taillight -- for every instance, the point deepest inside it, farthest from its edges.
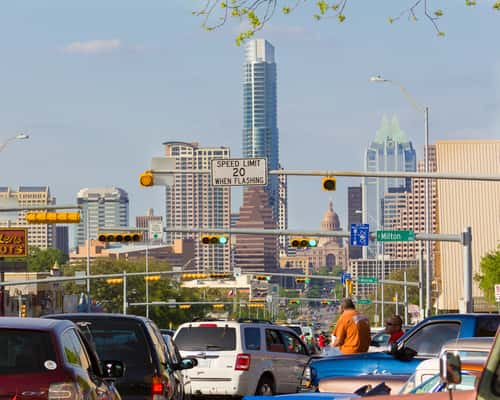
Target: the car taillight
(208, 325)
(63, 391)
(242, 362)
(157, 386)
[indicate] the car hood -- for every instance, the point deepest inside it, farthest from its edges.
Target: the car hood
(360, 364)
(307, 396)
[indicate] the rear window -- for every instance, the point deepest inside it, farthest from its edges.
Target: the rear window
(116, 339)
(206, 338)
(487, 326)
(23, 351)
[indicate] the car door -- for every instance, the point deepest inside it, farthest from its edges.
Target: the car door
(276, 351)
(297, 358)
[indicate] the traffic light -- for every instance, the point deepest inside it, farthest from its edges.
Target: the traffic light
(263, 278)
(329, 183)
(190, 276)
(121, 237)
(220, 275)
(222, 240)
(325, 302)
(294, 301)
(218, 306)
(256, 305)
(184, 306)
(303, 242)
(152, 278)
(53, 217)
(23, 311)
(114, 281)
(348, 285)
(146, 179)
(300, 280)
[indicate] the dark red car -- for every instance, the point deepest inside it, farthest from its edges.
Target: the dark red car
(42, 359)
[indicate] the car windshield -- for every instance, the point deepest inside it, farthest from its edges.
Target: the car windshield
(24, 351)
(206, 338)
(116, 339)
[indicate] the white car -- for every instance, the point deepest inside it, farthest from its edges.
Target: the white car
(239, 358)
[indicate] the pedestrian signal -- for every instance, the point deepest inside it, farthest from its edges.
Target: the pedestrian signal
(120, 237)
(329, 183)
(304, 242)
(222, 240)
(53, 217)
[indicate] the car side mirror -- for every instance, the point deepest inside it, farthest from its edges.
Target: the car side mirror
(113, 369)
(187, 363)
(450, 368)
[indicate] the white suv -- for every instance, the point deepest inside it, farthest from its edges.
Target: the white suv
(239, 358)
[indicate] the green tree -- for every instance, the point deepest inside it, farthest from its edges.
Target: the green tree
(490, 274)
(254, 14)
(39, 260)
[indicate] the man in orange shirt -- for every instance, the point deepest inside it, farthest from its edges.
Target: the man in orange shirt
(352, 333)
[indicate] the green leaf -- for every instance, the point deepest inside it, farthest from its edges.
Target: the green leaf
(341, 17)
(496, 6)
(286, 10)
(390, 20)
(223, 4)
(323, 6)
(441, 33)
(470, 3)
(317, 17)
(335, 7)
(438, 13)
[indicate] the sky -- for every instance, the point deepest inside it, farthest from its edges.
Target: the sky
(99, 86)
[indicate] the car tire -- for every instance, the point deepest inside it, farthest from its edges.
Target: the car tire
(265, 387)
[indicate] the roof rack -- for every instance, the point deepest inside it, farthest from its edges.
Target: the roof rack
(255, 321)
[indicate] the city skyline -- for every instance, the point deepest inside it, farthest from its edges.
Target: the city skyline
(99, 102)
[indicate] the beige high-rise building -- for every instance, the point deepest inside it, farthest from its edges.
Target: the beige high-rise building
(466, 203)
(192, 201)
(39, 235)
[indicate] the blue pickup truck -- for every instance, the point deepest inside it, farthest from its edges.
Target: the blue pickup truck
(421, 342)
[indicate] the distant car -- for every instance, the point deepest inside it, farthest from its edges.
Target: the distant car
(50, 359)
(137, 341)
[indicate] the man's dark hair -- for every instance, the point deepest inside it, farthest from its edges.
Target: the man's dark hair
(347, 304)
(398, 319)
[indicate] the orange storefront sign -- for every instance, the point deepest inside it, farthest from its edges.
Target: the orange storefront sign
(13, 242)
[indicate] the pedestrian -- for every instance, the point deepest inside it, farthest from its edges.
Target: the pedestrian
(352, 333)
(321, 341)
(393, 326)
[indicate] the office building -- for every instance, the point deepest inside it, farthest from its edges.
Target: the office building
(390, 151)
(256, 253)
(39, 235)
(283, 213)
(461, 204)
(354, 216)
(192, 201)
(105, 208)
(62, 238)
(260, 127)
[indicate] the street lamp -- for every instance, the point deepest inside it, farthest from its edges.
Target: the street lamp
(425, 111)
(19, 136)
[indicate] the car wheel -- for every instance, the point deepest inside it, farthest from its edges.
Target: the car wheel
(265, 387)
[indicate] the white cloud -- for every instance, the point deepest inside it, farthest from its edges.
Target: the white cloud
(93, 47)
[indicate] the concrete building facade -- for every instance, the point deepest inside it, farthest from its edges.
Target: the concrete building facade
(192, 201)
(39, 235)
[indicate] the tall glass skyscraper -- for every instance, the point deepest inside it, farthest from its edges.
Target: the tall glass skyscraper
(390, 151)
(260, 128)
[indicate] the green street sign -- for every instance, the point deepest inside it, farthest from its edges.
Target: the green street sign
(367, 279)
(364, 301)
(395, 236)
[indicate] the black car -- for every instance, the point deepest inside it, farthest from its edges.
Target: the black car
(138, 343)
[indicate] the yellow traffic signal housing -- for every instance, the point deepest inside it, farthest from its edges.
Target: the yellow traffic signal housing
(53, 217)
(152, 278)
(24, 312)
(256, 305)
(121, 237)
(114, 281)
(222, 240)
(348, 284)
(184, 306)
(189, 276)
(329, 183)
(218, 305)
(300, 280)
(146, 179)
(303, 242)
(263, 277)
(220, 275)
(325, 302)
(294, 301)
